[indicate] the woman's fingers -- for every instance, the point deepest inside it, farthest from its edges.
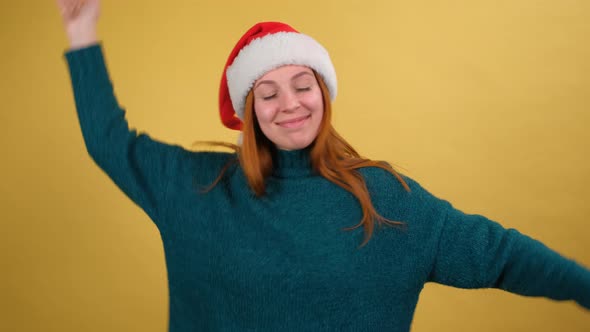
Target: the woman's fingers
(70, 8)
(77, 7)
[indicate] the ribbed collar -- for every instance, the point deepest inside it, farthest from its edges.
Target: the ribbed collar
(295, 163)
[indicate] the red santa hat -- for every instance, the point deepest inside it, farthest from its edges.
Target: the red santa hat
(264, 47)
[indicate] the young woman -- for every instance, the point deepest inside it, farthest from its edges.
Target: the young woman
(254, 239)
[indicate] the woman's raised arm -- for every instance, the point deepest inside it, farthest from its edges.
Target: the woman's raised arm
(139, 165)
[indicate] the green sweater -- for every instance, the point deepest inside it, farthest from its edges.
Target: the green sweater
(283, 262)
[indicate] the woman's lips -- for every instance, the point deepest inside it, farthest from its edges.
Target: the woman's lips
(294, 123)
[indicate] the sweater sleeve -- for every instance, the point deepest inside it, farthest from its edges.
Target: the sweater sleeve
(475, 252)
(139, 165)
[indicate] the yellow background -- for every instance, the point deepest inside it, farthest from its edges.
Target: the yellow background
(486, 103)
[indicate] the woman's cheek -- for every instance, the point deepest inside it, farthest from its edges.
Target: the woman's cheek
(264, 113)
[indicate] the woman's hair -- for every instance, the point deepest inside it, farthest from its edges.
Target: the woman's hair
(331, 157)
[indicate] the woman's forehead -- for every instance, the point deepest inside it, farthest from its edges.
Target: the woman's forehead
(285, 72)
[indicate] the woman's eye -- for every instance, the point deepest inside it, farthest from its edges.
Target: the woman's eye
(304, 89)
(269, 97)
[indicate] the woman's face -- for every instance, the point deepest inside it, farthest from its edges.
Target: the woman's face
(289, 106)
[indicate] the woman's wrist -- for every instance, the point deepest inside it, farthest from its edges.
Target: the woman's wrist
(82, 37)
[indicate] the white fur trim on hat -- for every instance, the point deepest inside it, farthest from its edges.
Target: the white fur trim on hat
(272, 51)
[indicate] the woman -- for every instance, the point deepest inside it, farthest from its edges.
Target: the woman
(253, 239)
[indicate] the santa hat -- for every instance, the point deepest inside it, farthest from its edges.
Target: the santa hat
(264, 47)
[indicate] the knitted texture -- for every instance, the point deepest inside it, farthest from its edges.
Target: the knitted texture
(283, 262)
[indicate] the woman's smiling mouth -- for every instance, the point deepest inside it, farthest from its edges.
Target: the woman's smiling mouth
(294, 123)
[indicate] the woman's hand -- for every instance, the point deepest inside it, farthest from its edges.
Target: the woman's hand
(80, 18)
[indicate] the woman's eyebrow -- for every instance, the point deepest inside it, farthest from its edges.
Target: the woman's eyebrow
(264, 82)
(300, 74)
(292, 78)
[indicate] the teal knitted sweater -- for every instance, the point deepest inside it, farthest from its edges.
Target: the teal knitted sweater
(282, 262)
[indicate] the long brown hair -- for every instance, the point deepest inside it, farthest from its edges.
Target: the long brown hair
(331, 157)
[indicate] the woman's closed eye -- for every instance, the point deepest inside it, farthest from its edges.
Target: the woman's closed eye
(272, 96)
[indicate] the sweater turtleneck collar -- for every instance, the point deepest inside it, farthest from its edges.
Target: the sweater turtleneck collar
(295, 163)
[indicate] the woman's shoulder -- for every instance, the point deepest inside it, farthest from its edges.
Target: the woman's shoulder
(383, 179)
(205, 163)
(387, 187)
(202, 158)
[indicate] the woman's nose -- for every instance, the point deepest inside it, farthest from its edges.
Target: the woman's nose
(289, 101)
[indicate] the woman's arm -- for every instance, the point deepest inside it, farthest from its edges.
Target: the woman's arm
(475, 252)
(140, 166)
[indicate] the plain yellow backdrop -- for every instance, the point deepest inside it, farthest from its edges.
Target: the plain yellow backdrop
(485, 103)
